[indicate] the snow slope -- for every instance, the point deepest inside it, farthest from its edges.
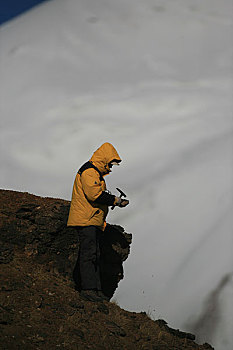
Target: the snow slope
(155, 79)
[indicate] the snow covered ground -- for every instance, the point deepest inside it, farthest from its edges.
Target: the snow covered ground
(155, 78)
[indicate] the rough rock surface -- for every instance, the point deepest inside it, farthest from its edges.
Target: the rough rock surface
(39, 307)
(37, 226)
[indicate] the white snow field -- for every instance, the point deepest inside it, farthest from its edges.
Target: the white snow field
(155, 78)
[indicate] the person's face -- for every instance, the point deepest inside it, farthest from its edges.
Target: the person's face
(110, 164)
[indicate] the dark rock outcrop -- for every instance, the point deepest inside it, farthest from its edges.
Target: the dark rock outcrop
(39, 307)
(37, 226)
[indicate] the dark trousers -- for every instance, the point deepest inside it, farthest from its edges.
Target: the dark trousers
(87, 270)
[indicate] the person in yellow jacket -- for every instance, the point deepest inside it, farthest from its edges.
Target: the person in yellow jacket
(88, 211)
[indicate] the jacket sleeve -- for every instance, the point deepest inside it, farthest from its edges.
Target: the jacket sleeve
(91, 184)
(105, 198)
(93, 190)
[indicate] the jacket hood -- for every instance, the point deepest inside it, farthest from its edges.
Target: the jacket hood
(103, 156)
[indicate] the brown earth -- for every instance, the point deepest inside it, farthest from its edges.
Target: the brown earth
(39, 306)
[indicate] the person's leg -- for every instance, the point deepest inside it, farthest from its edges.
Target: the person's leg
(89, 257)
(76, 271)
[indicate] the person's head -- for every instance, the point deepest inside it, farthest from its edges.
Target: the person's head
(105, 157)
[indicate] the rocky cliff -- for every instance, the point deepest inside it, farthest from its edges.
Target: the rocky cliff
(40, 308)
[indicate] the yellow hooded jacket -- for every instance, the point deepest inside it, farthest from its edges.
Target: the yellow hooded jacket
(88, 186)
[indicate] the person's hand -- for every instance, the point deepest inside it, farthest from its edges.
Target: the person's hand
(124, 203)
(121, 202)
